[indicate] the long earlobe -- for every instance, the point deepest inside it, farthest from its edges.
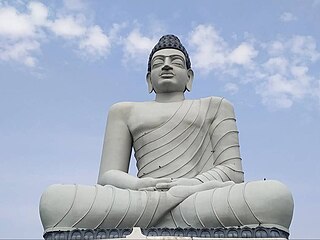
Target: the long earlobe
(190, 80)
(148, 78)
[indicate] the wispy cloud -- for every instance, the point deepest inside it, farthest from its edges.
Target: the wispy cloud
(211, 51)
(287, 17)
(243, 54)
(18, 33)
(286, 75)
(20, 51)
(67, 27)
(95, 42)
(279, 70)
(137, 47)
(232, 88)
(22, 33)
(14, 25)
(38, 13)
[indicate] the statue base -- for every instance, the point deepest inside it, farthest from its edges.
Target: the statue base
(170, 233)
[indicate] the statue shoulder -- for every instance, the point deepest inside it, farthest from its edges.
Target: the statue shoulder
(121, 110)
(221, 106)
(226, 104)
(222, 102)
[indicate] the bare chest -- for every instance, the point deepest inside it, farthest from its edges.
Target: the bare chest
(146, 117)
(150, 116)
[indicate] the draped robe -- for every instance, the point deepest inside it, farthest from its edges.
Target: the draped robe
(199, 140)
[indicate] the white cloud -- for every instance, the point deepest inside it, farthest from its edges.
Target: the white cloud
(276, 65)
(38, 13)
(114, 33)
(275, 48)
(281, 92)
(280, 75)
(304, 48)
(286, 75)
(22, 32)
(243, 54)
(68, 27)
(21, 51)
(137, 47)
(212, 51)
(15, 25)
(281, 70)
(231, 88)
(95, 42)
(287, 17)
(18, 33)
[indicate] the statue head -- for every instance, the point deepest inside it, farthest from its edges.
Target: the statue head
(169, 65)
(169, 41)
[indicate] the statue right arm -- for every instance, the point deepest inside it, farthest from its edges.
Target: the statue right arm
(116, 153)
(116, 148)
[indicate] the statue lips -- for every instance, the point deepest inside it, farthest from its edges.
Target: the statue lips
(167, 74)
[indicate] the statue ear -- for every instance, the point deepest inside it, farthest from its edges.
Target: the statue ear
(148, 78)
(190, 79)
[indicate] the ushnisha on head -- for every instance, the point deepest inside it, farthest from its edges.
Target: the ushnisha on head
(169, 67)
(169, 41)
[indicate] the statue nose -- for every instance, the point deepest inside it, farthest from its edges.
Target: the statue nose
(166, 67)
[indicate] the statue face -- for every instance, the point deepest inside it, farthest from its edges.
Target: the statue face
(169, 72)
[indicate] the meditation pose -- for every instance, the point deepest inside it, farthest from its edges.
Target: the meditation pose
(189, 166)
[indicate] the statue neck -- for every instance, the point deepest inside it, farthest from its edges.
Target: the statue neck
(169, 97)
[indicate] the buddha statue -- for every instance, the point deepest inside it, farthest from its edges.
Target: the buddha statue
(188, 160)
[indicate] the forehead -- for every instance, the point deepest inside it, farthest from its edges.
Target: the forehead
(168, 52)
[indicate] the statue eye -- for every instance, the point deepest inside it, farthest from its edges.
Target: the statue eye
(178, 62)
(157, 62)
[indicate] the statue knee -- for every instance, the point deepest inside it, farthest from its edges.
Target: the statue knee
(271, 202)
(55, 202)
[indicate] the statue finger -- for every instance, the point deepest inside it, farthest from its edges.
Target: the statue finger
(148, 189)
(163, 180)
(165, 185)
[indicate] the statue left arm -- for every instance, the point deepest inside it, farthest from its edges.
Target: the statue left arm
(227, 165)
(225, 144)
(117, 146)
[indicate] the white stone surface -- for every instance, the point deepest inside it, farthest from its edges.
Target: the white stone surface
(189, 166)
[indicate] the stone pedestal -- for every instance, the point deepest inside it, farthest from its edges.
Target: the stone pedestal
(170, 234)
(137, 235)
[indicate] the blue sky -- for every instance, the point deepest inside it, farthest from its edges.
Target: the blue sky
(64, 63)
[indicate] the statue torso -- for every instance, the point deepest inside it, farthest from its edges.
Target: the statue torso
(146, 116)
(172, 139)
